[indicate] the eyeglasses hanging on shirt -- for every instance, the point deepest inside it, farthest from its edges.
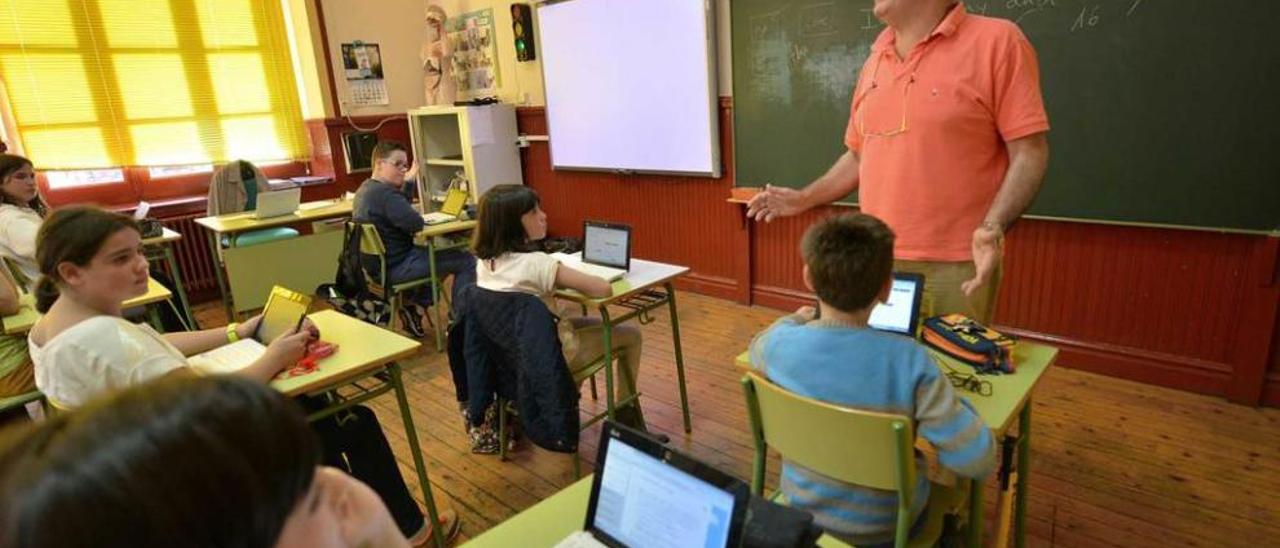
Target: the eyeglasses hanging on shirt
(866, 103)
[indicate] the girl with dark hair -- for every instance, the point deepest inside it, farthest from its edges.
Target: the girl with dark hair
(510, 222)
(132, 471)
(21, 212)
(91, 261)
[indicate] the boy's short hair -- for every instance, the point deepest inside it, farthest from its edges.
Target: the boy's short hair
(850, 257)
(384, 149)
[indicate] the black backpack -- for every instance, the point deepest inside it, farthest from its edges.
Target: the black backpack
(349, 292)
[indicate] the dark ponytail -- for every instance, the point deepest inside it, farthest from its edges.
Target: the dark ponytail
(72, 235)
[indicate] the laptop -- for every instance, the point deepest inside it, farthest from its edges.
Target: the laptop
(901, 313)
(277, 203)
(645, 494)
(606, 250)
(454, 201)
(284, 311)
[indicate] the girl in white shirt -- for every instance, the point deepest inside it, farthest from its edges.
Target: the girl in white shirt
(21, 212)
(510, 221)
(91, 261)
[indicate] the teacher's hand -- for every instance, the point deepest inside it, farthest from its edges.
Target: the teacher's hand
(988, 251)
(774, 202)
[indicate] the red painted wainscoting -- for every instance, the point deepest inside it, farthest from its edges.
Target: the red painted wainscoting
(1186, 309)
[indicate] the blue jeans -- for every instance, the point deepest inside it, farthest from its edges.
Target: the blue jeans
(417, 264)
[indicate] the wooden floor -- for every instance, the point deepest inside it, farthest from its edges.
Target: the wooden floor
(1114, 462)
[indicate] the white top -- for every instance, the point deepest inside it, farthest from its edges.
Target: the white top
(99, 355)
(18, 228)
(533, 273)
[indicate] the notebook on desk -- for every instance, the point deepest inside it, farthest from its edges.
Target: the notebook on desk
(277, 203)
(449, 211)
(645, 494)
(606, 251)
(284, 311)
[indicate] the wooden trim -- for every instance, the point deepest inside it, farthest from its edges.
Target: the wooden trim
(328, 59)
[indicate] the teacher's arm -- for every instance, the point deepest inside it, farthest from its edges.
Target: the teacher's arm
(1028, 160)
(836, 183)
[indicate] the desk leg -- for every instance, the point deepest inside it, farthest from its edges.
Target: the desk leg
(606, 326)
(418, 462)
(976, 514)
(217, 273)
(435, 297)
(1024, 476)
(675, 338)
(176, 272)
(153, 317)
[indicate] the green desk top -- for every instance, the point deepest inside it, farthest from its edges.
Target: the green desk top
(548, 522)
(642, 275)
(1008, 392)
(232, 223)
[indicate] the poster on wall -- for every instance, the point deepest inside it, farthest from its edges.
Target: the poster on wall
(475, 54)
(362, 65)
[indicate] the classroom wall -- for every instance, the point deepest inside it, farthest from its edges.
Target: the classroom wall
(397, 27)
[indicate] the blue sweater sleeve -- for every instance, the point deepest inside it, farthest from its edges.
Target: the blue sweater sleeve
(964, 443)
(401, 213)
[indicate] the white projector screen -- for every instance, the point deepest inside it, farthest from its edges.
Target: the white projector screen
(630, 85)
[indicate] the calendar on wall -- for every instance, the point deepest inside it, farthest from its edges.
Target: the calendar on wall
(362, 65)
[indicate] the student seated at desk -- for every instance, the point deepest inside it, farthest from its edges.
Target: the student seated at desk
(381, 201)
(510, 221)
(17, 376)
(835, 357)
(91, 260)
(131, 470)
(21, 212)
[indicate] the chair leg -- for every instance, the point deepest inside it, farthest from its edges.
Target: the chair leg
(502, 428)
(577, 466)
(594, 396)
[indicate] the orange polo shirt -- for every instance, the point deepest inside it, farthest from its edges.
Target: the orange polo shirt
(930, 130)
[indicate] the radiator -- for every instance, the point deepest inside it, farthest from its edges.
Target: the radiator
(192, 253)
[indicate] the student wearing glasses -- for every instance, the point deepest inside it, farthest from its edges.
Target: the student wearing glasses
(381, 200)
(946, 143)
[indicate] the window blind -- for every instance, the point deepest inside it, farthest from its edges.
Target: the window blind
(110, 83)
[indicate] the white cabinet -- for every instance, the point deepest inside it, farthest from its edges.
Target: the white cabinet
(477, 143)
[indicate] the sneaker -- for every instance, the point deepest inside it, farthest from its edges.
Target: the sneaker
(449, 523)
(411, 321)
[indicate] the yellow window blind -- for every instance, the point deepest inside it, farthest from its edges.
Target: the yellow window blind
(112, 83)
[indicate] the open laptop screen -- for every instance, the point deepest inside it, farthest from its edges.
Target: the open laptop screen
(645, 502)
(606, 244)
(901, 314)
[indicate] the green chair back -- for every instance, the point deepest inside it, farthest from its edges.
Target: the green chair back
(854, 446)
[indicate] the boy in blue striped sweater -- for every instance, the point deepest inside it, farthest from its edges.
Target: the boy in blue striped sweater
(839, 359)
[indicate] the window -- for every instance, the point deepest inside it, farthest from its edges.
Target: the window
(96, 85)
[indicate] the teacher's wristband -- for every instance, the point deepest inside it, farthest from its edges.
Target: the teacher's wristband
(232, 336)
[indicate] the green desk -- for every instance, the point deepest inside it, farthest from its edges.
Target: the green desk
(433, 238)
(251, 271)
(161, 247)
(1011, 395)
(637, 291)
(364, 367)
(549, 521)
(21, 322)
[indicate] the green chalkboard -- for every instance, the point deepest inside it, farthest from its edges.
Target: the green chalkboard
(1162, 111)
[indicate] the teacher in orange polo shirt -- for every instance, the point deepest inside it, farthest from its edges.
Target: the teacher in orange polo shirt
(946, 143)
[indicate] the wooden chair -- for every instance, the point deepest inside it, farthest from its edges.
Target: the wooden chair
(854, 446)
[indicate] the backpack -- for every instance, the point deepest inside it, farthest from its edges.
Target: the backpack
(349, 292)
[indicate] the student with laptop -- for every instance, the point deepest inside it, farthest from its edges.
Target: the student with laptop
(382, 202)
(91, 261)
(511, 221)
(835, 357)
